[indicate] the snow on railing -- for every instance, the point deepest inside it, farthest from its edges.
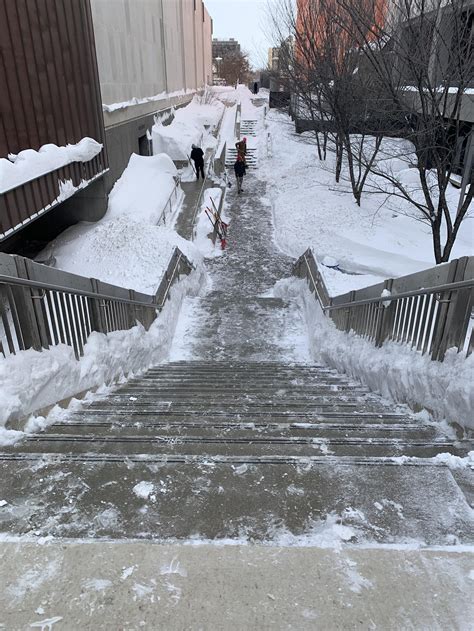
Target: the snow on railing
(430, 310)
(41, 306)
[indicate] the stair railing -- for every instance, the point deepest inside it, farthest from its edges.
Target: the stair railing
(172, 199)
(431, 310)
(41, 306)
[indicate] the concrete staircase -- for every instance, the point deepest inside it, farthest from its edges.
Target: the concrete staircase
(236, 449)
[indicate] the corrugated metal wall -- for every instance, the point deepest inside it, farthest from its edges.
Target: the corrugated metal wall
(49, 93)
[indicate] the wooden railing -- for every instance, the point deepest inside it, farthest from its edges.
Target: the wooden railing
(430, 310)
(42, 306)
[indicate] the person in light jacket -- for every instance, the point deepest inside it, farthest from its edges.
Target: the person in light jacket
(197, 156)
(239, 169)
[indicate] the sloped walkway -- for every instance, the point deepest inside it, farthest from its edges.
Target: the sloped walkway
(238, 319)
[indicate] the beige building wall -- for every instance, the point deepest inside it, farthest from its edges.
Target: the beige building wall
(149, 47)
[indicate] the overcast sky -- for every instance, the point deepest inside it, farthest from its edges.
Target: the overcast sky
(245, 21)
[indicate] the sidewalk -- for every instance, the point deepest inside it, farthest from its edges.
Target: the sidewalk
(141, 585)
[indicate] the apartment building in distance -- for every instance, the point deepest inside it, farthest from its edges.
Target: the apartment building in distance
(225, 47)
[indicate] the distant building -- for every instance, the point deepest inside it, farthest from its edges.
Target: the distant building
(224, 47)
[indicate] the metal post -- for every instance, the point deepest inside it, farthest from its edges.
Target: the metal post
(469, 164)
(385, 317)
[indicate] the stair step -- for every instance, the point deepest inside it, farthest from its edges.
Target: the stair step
(301, 417)
(223, 430)
(228, 446)
(169, 451)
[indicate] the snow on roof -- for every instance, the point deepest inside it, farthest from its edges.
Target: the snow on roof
(30, 164)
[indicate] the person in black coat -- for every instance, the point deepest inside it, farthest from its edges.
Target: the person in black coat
(197, 156)
(239, 169)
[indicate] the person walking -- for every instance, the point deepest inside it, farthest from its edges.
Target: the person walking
(239, 169)
(241, 147)
(197, 156)
(255, 88)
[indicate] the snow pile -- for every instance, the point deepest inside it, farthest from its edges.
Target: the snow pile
(176, 139)
(187, 128)
(32, 380)
(126, 248)
(119, 251)
(395, 371)
(200, 113)
(30, 164)
(143, 189)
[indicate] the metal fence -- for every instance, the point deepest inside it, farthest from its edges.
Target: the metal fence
(42, 306)
(170, 206)
(430, 310)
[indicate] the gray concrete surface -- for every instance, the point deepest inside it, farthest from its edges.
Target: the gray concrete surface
(131, 586)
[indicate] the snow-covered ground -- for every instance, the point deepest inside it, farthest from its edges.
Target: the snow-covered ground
(127, 248)
(372, 243)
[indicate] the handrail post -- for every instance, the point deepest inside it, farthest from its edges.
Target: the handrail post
(97, 313)
(26, 310)
(349, 312)
(385, 316)
(454, 314)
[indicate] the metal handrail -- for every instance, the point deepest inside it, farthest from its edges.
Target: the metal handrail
(171, 278)
(431, 319)
(314, 282)
(24, 282)
(425, 291)
(168, 201)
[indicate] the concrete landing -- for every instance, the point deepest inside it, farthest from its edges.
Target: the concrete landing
(68, 586)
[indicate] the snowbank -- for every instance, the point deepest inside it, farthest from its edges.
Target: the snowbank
(126, 248)
(395, 371)
(144, 188)
(119, 251)
(176, 139)
(192, 124)
(30, 164)
(32, 380)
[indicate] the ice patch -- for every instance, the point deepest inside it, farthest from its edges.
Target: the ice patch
(173, 568)
(240, 470)
(128, 571)
(97, 584)
(46, 625)
(143, 489)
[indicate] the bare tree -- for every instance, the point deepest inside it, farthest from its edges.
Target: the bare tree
(235, 67)
(422, 56)
(325, 82)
